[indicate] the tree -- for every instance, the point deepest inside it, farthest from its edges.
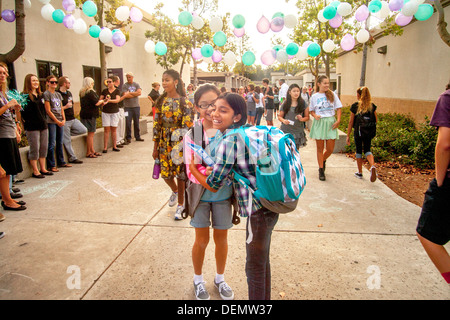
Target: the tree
(441, 24)
(19, 47)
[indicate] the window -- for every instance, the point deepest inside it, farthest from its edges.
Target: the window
(46, 68)
(94, 73)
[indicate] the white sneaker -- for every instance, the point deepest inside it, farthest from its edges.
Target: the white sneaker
(373, 174)
(226, 293)
(178, 213)
(173, 199)
(200, 291)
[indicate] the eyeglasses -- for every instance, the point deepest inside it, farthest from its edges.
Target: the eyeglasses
(53, 82)
(206, 106)
(108, 81)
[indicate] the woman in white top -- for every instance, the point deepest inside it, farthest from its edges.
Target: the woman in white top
(325, 107)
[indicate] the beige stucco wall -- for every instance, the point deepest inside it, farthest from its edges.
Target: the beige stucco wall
(409, 77)
(50, 41)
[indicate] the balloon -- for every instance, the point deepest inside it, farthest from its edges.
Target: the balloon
(424, 12)
(207, 51)
(374, 6)
(313, 49)
(160, 48)
(220, 39)
(347, 42)
(57, 16)
(136, 14)
(263, 25)
(336, 21)
(344, 9)
(306, 44)
(278, 47)
(277, 24)
(105, 35)
(238, 21)
(94, 31)
(384, 11)
(410, 8)
(395, 5)
(402, 20)
(197, 54)
(149, 46)
(217, 56)
(329, 12)
(79, 26)
(229, 58)
(290, 21)
(197, 23)
(292, 49)
(216, 24)
(362, 36)
(269, 57)
(185, 18)
(328, 45)
(69, 5)
(248, 58)
(27, 4)
(278, 15)
(239, 32)
(335, 4)
(302, 53)
(122, 13)
(282, 56)
(69, 21)
(47, 12)
(362, 13)
(90, 8)
(320, 17)
(118, 38)
(10, 16)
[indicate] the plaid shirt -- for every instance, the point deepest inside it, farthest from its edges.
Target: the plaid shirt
(232, 156)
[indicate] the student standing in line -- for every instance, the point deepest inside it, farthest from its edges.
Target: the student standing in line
(363, 118)
(259, 106)
(205, 207)
(324, 106)
(269, 105)
(110, 114)
(252, 99)
(433, 228)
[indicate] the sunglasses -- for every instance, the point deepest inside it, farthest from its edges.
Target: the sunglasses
(108, 81)
(53, 82)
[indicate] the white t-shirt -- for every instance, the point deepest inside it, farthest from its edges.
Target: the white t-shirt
(283, 90)
(260, 104)
(322, 107)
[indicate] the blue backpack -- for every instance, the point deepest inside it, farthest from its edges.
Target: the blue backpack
(279, 172)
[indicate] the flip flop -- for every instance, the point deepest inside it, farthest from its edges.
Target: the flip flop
(54, 169)
(97, 154)
(91, 156)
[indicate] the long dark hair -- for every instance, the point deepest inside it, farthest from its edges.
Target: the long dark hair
(239, 106)
(175, 75)
(204, 89)
(301, 105)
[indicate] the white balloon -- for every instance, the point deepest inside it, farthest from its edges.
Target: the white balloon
(216, 24)
(302, 53)
(122, 13)
(321, 17)
(149, 46)
(362, 36)
(105, 35)
(384, 11)
(229, 58)
(197, 23)
(328, 45)
(410, 8)
(47, 12)
(282, 56)
(44, 1)
(79, 26)
(290, 21)
(344, 9)
(27, 4)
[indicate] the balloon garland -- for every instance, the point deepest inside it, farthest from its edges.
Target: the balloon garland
(333, 14)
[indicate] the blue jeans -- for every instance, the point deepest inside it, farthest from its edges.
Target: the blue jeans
(55, 142)
(259, 113)
(257, 265)
(133, 115)
(72, 128)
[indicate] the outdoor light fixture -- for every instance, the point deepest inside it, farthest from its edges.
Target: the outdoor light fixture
(382, 50)
(108, 49)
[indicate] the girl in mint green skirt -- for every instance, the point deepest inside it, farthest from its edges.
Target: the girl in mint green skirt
(324, 107)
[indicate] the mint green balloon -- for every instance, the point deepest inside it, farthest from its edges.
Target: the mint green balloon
(329, 12)
(94, 31)
(220, 38)
(313, 49)
(374, 6)
(248, 58)
(207, 51)
(58, 16)
(238, 21)
(160, 48)
(185, 18)
(292, 49)
(89, 8)
(278, 15)
(424, 12)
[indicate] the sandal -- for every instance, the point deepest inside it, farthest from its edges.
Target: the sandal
(97, 154)
(91, 156)
(54, 169)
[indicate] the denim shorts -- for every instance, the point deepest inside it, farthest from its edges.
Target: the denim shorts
(221, 216)
(251, 113)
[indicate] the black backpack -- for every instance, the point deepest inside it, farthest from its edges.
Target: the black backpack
(366, 124)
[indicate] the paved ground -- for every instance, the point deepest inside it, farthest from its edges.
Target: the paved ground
(103, 230)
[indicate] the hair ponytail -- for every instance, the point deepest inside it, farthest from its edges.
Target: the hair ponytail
(329, 94)
(365, 100)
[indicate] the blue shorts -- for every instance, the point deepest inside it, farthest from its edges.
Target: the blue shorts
(221, 216)
(251, 113)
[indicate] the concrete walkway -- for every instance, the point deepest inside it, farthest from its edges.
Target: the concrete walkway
(103, 230)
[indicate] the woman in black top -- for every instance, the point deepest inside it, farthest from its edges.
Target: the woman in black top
(153, 96)
(110, 114)
(34, 121)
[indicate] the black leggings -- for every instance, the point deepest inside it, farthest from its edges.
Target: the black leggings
(362, 144)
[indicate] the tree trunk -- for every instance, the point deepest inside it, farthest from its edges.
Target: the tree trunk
(362, 79)
(441, 24)
(101, 46)
(19, 47)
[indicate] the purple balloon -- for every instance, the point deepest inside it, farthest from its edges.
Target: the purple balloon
(69, 21)
(119, 38)
(197, 54)
(217, 56)
(269, 57)
(8, 15)
(136, 14)
(402, 20)
(69, 5)
(395, 5)
(348, 42)
(277, 24)
(362, 13)
(336, 21)
(263, 25)
(239, 32)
